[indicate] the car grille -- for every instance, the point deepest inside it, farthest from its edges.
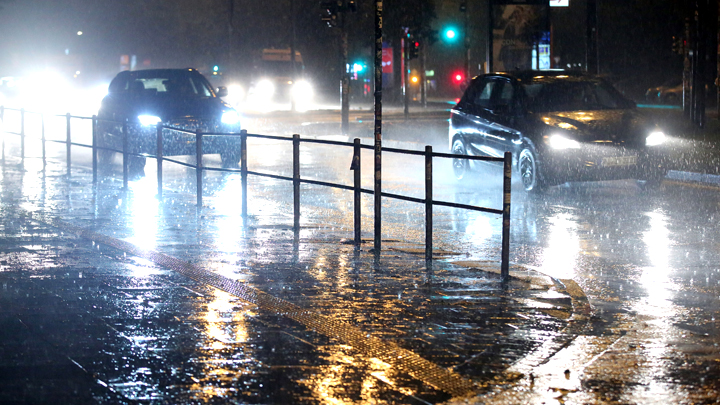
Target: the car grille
(194, 124)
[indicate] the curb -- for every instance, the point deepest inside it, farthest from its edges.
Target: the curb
(692, 177)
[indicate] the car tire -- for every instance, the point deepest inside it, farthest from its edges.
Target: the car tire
(230, 159)
(528, 169)
(461, 167)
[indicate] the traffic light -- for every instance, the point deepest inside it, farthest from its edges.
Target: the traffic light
(329, 12)
(458, 77)
(678, 45)
(450, 34)
(414, 50)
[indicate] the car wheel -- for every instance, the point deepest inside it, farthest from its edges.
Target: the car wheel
(461, 167)
(529, 171)
(230, 159)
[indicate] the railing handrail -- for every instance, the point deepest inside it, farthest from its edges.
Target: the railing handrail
(296, 178)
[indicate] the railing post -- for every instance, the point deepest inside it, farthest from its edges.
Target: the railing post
(42, 140)
(357, 191)
(428, 202)
(507, 181)
(159, 160)
(199, 166)
(2, 128)
(94, 149)
(68, 145)
(125, 154)
(22, 136)
(296, 182)
(244, 171)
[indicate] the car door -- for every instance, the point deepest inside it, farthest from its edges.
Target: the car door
(505, 116)
(472, 113)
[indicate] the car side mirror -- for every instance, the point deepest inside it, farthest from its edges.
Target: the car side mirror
(222, 91)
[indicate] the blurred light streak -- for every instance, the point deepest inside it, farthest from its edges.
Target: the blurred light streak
(560, 256)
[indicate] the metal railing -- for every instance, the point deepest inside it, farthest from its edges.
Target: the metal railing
(296, 178)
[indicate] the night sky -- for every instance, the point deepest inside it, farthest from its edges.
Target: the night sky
(636, 35)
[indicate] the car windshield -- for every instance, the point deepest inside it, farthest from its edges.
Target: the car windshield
(162, 84)
(573, 95)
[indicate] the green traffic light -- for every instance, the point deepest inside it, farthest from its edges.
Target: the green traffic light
(450, 33)
(216, 68)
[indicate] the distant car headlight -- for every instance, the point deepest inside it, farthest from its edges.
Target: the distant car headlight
(230, 117)
(265, 88)
(655, 138)
(302, 90)
(236, 92)
(560, 142)
(148, 120)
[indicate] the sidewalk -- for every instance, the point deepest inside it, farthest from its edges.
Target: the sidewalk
(114, 297)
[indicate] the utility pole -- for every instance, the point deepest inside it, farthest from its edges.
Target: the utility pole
(293, 107)
(231, 12)
(423, 74)
(687, 54)
(333, 11)
(405, 66)
(592, 58)
(378, 128)
(463, 9)
(345, 81)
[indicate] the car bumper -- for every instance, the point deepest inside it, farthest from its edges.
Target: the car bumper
(600, 162)
(143, 140)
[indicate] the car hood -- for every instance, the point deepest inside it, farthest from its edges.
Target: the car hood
(599, 125)
(167, 108)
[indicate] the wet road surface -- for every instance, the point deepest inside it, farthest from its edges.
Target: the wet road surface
(647, 262)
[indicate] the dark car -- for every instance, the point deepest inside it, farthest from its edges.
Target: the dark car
(669, 93)
(560, 126)
(181, 98)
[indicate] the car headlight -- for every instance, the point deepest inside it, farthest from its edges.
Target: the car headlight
(265, 88)
(236, 92)
(560, 142)
(230, 117)
(655, 138)
(302, 90)
(148, 120)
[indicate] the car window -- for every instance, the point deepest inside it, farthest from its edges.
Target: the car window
(575, 95)
(170, 84)
(506, 93)
(483, 93)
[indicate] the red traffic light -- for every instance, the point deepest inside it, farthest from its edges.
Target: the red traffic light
(458, 78)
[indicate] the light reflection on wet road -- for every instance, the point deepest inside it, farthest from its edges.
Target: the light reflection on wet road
(648, 262)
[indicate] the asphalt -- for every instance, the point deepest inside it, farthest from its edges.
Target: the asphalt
(111, 296)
